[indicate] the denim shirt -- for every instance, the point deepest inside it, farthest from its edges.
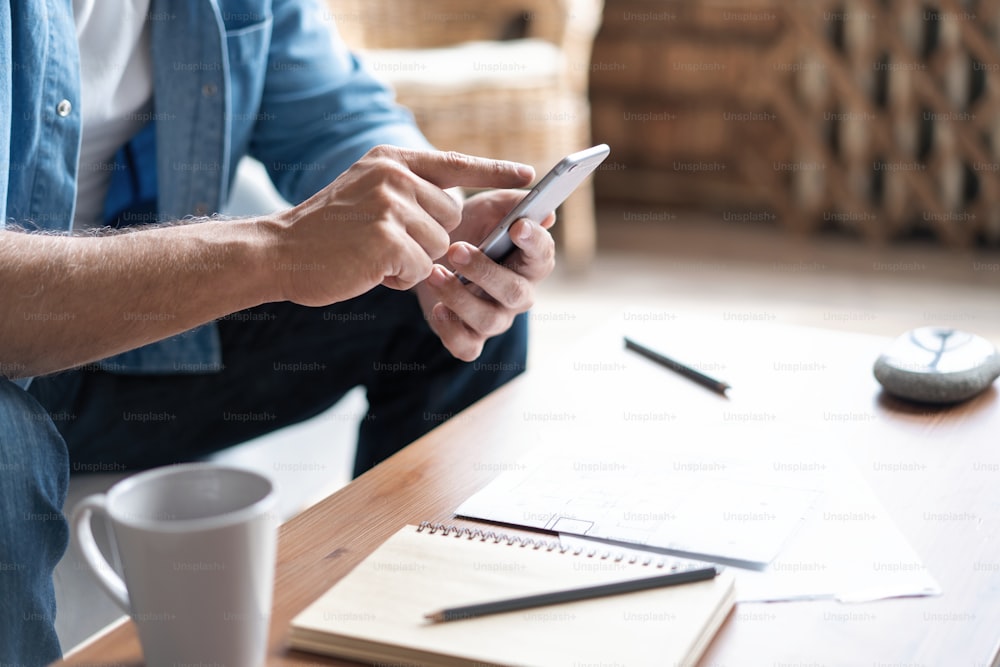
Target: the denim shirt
(231, 78)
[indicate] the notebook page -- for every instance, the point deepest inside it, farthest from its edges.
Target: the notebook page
(376, 612)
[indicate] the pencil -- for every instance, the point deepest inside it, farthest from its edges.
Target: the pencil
(717, 386)
(571, 595)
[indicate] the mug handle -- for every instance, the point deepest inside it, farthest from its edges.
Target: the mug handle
(83, 537)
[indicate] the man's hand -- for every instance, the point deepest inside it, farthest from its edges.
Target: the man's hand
(465, 316)
(383, 221)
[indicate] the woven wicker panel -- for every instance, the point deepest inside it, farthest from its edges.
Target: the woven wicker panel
(895, 112)
(881, 116)
(667, 94)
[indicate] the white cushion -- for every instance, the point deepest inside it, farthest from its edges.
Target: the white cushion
(514, 63)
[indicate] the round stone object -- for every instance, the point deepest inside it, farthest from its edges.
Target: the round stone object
(937, 365)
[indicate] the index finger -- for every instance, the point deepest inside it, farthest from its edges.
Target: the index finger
(447, 169)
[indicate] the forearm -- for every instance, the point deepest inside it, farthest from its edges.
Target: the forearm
(68, 301)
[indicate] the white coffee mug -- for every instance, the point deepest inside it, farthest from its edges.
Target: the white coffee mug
(197, 545)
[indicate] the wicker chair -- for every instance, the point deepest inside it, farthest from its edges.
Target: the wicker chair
(501, 78)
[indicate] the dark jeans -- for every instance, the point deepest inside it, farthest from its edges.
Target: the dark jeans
(283, 364)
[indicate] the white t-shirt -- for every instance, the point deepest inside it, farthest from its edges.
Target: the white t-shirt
(116, 73)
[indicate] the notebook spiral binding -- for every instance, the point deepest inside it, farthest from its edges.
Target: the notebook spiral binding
(458, 532)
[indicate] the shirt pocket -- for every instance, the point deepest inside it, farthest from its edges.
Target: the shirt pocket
(248, 48)
(248, 45)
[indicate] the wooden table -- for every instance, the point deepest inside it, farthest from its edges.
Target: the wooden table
(937, 471)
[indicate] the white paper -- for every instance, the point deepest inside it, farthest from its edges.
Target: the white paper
(797, 520)
(733, 506)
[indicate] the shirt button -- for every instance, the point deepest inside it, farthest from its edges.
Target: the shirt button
(64, 108)
(209, 89)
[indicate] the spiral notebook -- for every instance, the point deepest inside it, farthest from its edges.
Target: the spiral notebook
(376, 613)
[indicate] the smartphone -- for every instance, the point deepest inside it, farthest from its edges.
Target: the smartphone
(544, 198)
